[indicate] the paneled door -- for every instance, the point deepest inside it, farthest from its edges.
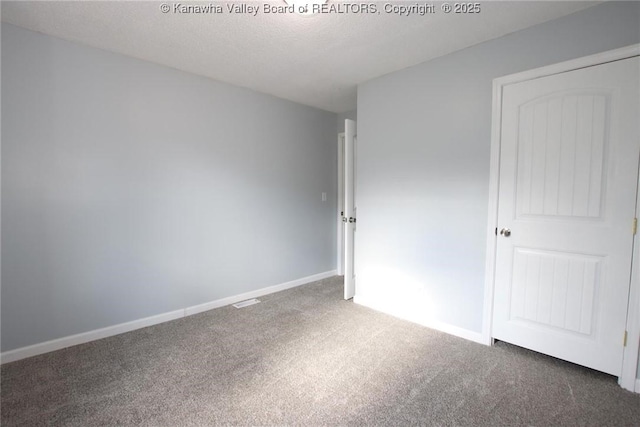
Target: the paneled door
(569, 151)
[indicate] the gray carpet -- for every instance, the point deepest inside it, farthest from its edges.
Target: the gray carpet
(304, 357)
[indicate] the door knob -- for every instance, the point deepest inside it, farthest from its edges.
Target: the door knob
(505, 232)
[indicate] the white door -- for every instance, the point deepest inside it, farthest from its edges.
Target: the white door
(349, 207)
(570, 145)
(340, 216)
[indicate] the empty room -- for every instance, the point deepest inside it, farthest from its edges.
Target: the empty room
(320, 212)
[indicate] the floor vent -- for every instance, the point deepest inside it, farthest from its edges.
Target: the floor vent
(246, 303)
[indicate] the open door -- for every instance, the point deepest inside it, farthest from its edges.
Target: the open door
(349, 218)
(340, 213)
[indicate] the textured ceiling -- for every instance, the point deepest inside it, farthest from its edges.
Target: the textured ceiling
(315, 60)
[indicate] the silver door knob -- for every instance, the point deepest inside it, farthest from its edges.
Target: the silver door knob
(505, 232)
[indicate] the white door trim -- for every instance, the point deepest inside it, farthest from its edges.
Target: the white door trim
(631, 351)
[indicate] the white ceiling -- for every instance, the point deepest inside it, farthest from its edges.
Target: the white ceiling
(315, 60)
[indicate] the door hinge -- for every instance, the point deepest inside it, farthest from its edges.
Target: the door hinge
(635, 226)
(624, 340)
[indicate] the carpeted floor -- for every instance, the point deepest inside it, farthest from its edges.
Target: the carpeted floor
(305, 357)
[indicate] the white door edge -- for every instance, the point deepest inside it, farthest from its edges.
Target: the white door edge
(627, 379)
(349, 207)
(340, 206)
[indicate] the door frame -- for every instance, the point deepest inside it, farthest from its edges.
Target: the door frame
(340, 205)
(627, 379)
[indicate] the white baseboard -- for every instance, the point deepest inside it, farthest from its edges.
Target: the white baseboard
(68, 341)
(439, 326)
(96, 334)
(257, 293)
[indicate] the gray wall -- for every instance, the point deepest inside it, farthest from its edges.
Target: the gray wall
(130, 189)
(424, 136)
